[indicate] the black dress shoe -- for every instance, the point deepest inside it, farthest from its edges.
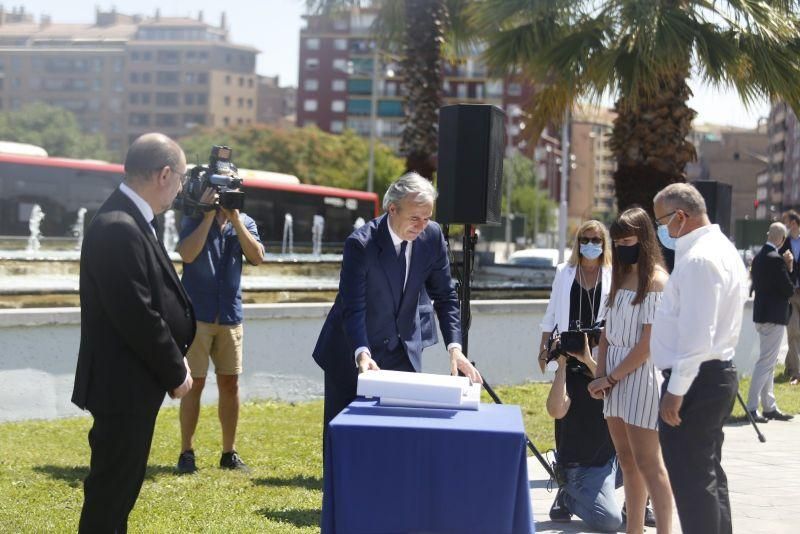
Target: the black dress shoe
(778, 415)
(559, 512)
(758, 418)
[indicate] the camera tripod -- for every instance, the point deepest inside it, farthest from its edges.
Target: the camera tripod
(463, 287)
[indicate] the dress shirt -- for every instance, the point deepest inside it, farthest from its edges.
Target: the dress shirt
(147, 213)
(701, 312)
(771, 245)
(397, 241)
(141, 204)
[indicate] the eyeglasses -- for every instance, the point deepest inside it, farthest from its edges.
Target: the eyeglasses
(665, 216)
(592, 240)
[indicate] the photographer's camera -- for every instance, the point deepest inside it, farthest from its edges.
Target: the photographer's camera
(221, 175)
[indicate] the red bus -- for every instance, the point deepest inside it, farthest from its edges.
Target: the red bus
(62, 186)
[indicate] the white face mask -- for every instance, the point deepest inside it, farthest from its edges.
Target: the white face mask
(591, 251)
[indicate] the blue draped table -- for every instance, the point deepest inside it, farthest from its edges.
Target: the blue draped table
(393, 470)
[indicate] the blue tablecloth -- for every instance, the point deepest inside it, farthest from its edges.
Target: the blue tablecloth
(392, 470)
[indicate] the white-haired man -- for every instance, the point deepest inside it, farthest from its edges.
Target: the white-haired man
(693, 340)
(773, 287)
(374, 322)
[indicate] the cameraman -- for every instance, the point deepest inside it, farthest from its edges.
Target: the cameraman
(212, 247)
(586, 462)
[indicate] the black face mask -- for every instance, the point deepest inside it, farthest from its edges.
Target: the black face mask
(628, 255)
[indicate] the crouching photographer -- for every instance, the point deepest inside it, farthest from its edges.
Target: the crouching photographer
(215, 237)
(585, 460)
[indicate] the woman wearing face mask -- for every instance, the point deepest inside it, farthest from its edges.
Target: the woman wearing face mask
(581, 285)
(584, 451)
(628, 380)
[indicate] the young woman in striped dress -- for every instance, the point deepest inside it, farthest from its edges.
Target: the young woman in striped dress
(627, 378)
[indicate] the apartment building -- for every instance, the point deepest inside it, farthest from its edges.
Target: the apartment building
(592, 165)
(338, 63)
(125, 75)
(276, 104)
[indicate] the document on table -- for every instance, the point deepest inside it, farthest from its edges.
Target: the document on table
(422, 390)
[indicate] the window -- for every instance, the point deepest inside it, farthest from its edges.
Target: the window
(227, 101)
(340, 24)
(146, 77)
(139, 119)
(312, 63)
(461, 90)
(188, 99)
(240, 102)
(310, 105)
(166, 99)
(228, 79)
(340, 64)
(340, 44)
(312, 44)
(337, 106)
(514, 89)
(134, 77)
(241, 81)
(226, 121)
(338, 85)
(168, 57)
(337, 126)
(390, 108)
(356, 86)
(202, 99)
(311, 84)
(168, 78)
(166, 119)
(250, 82)
(358, 107)
(249, 103)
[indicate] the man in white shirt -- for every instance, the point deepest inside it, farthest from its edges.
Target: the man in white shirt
(693, 341)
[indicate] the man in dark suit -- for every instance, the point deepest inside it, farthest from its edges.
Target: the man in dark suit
(792, 246)
(773, 288)
(136, 326)
(375, 321)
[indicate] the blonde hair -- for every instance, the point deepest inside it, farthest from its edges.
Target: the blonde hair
(597, 226)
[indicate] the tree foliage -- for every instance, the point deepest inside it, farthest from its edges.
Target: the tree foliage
(527, 198)
(642, 53)
(52, 128)
(312, 155)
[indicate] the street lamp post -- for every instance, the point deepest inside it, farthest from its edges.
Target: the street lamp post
(562, 208)
(373, 114)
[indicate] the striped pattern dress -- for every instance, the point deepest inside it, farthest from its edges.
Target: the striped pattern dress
(635, 398)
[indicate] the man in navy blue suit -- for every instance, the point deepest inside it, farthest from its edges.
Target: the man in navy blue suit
(375, 322)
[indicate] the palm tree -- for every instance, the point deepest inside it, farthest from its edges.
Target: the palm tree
(642, 52)
(417, 29)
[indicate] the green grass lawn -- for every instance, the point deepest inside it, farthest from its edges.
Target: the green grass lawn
(44, 462)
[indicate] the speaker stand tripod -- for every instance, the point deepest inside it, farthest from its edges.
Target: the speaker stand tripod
(464, 283)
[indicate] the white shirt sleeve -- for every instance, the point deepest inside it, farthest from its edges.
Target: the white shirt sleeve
(700, 288)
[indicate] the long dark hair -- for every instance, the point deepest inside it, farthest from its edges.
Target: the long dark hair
(635, 221)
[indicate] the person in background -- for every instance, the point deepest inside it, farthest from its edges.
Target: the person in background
(792, 246)
(773, 288)
(213, 247)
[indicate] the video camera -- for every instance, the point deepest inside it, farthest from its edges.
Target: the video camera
(561, 344)
(221, 175)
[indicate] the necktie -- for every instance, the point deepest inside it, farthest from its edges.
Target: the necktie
(401, 259)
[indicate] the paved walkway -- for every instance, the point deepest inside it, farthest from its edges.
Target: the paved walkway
(763, 478)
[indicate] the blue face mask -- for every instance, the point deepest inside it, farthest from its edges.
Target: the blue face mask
(591, 251)
(663, 235)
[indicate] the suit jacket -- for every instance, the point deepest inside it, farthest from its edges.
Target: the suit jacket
(136, 320)
(794, 276)
(772, 285)
(372, 310)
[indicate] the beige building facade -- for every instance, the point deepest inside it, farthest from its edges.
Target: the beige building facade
(126, 75)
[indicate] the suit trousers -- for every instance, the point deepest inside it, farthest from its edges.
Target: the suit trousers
(693, 450)
(793, 334)
(120, 445)
(770, 336)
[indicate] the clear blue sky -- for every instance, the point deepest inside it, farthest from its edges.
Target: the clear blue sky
(273, 26)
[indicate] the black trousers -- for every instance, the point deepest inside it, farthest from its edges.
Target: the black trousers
(120, 446)
(693, 450)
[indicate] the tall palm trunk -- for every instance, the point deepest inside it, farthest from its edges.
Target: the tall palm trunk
(425, 21)
(650, 143)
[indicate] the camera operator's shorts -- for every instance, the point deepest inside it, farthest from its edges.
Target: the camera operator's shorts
(222, 343)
